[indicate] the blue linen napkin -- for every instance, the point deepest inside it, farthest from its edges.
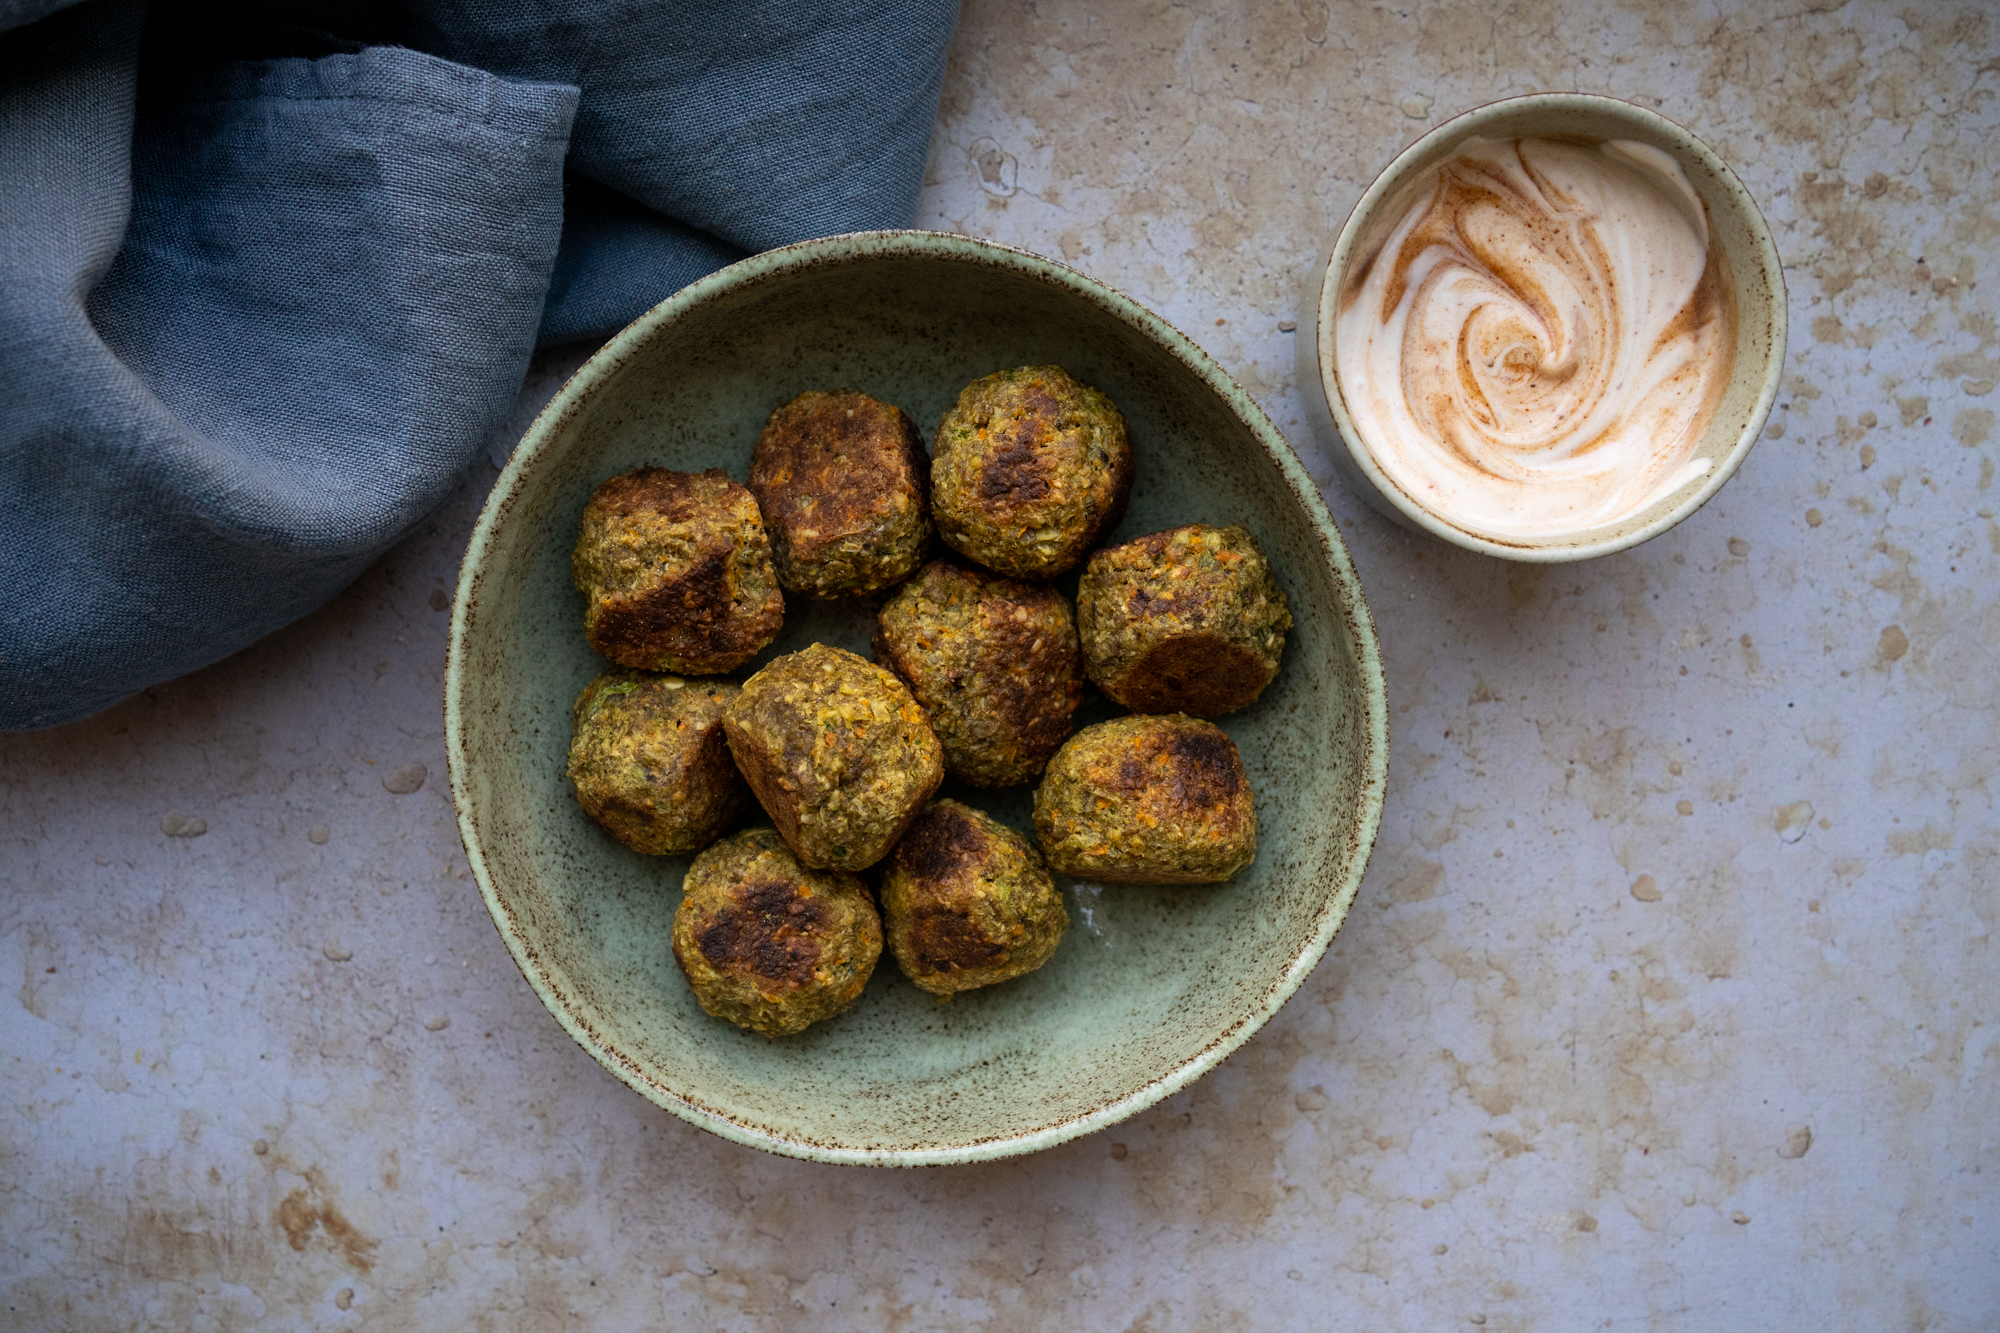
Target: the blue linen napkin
(269, 280)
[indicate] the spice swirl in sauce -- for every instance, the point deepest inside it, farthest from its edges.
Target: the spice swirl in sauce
(1539, 341)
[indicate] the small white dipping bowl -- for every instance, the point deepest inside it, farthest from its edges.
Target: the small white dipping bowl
(1751, 265)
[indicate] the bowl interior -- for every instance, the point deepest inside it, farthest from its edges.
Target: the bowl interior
(1750, 262)
(1151, 985)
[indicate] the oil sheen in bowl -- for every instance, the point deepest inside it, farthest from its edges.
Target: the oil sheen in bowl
(1537, 339)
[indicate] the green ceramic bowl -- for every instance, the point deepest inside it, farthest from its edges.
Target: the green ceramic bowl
(1152, 986)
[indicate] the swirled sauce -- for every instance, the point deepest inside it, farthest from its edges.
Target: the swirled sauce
(1537, 344)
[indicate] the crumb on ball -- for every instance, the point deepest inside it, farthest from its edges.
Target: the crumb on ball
(769, 944)
(838, 752)
(968, 902)
(676, 570)
(650, 761)
(994, 662)
(844, 485)
(1189, 620)
(1148, 800)
(1030, 468)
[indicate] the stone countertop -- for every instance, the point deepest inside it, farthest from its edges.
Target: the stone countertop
(1670, 1000)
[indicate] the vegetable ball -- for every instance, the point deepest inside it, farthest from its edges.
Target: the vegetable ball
(767, 943)
(967, 902)
(994, 662)
(1147, 800)
(844, 484)
(677, 571)
(650, 761)
(1188, 620)
(837, 751)
(1029, 470)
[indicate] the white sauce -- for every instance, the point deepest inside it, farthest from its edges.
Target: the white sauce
(1539, 342)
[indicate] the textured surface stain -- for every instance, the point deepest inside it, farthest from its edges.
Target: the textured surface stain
(308, 1214)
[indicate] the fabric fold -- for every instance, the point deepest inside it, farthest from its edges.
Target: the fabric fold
(326, 294)
(270, 274)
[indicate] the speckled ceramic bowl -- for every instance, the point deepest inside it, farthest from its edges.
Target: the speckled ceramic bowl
(1756, 279)
(1152, 986)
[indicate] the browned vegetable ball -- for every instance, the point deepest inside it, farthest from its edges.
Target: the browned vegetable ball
(1029, 470)
(769, 944)
(994, 662)
(1188, 620)
(650, 761)
(1147, 800)
(967, 902)
(838, 752)
(677, 571)
(844, 485)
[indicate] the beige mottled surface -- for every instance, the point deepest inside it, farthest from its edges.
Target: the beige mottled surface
(1672, 1002)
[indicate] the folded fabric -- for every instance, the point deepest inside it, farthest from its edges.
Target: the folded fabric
(269, 281)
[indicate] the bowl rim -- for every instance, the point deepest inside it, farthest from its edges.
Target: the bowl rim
(860, 247)
(1763, 257)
